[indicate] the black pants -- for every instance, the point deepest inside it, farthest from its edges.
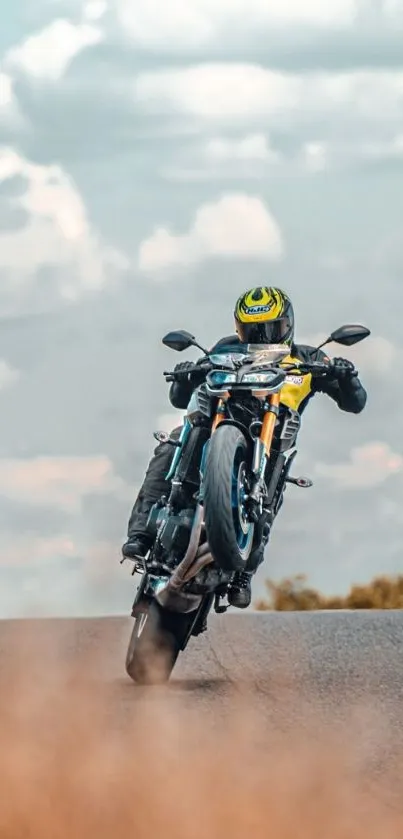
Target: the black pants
(155, 484)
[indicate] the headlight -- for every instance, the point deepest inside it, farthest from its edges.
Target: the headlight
(259, 378)
(218, 378)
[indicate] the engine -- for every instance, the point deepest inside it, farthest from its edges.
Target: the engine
(173, 530)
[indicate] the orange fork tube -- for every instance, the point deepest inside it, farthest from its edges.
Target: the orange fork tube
(219, 415)
(269, 422)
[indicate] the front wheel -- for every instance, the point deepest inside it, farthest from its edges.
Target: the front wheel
(229, 533)
(157, 638)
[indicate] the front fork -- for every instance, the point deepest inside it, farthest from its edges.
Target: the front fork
(261, 455)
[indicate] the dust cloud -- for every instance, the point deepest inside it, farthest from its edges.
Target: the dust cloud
(74, 763)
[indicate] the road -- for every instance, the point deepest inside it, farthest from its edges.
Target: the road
(332, 660)
(286, 718)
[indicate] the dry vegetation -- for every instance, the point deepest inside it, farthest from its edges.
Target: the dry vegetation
(293, 595)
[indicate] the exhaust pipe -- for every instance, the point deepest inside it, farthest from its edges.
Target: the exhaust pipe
(194, 560)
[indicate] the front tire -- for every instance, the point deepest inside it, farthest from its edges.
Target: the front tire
(157, 638)
(229, 533)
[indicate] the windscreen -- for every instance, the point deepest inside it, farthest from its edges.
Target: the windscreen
(267, 354)
(256, 354)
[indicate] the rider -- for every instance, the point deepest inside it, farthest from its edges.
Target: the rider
(262, 316)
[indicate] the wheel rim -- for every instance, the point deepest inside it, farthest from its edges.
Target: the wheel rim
(244, 529)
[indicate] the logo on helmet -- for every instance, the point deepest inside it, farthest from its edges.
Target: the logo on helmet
(258, 310)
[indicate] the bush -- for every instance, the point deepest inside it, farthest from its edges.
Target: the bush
(293, 595)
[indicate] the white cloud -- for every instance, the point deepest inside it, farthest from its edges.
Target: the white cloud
(233, 91)
(375, 354)
(226, 158)
(235, 225)
(389, 149)
(95, 9)
(59, 575)
(250, 147)
(57, 231)
(6, 91)
(369, 466)
(8, 375)
(48, 53)
(315, 156)
(392, 9)
(9, 109)
(216, 91)
(167, 422)
(59, 481)
(337, 114)
(203, 23)
(39, 549)
(148, 24)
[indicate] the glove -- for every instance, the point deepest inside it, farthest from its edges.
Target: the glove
(341, 368)
(184, 368)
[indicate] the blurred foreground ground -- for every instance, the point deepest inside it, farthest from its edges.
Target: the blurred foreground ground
(283, 725)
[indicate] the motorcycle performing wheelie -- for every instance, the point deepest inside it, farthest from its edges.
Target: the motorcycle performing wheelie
(230, 468)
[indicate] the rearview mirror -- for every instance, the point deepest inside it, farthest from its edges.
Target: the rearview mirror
(179, 340)
(349, 334)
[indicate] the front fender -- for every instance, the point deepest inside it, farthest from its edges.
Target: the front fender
(236, 424)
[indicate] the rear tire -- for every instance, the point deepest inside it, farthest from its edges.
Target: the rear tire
(229, 534)
(155, 643)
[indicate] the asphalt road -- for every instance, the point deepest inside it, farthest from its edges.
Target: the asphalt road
(287, 675)
(286, 719)
(332, 661)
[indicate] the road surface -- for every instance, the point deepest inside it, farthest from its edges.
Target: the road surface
(334, 660)
(283, 717)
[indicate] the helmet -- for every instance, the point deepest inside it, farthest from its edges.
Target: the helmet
(264, 315)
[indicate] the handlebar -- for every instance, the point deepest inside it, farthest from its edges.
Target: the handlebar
(316, 368)
(177, 375)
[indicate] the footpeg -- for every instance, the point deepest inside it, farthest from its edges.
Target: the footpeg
(163, 437)
(219, 610)
(304, 483)
(138, 562)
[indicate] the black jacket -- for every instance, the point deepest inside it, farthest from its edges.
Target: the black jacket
(349, 394)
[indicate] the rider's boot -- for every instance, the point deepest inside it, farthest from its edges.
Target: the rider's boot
(240, 590)
(136, 546)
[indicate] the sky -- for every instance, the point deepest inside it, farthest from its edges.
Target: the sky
(152, 166)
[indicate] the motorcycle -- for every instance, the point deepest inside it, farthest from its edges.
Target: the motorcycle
(229, 471)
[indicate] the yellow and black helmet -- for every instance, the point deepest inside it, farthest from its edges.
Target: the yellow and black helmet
(264, 315)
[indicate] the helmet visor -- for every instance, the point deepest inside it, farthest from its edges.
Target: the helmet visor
(266, 332)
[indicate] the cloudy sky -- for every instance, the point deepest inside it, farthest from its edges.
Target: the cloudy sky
(156, 159)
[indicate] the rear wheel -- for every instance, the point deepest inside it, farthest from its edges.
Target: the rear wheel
(157, 638)
(229, 532)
